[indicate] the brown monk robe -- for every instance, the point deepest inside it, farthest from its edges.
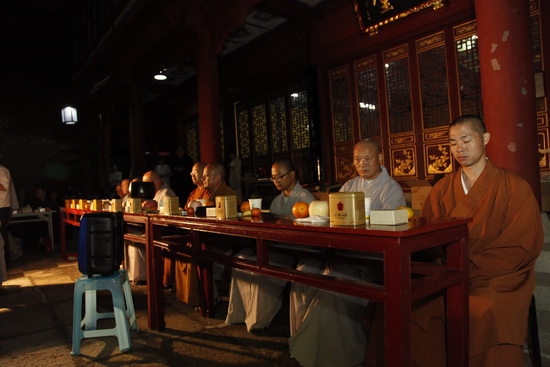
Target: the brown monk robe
(505, 240)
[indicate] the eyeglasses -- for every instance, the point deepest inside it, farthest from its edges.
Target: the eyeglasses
(279, 178)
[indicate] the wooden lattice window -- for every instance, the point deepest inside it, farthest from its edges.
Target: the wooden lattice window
(259, 129)
(434, 90)
(277, 116)
(243, 130)
(398, 90)
(469, 80)
(299, 116)
(341, 111)
(367, 94)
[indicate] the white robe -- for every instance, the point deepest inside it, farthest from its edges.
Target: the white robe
(256, 299)
(325, 327)
(3, 270)
(134, 254)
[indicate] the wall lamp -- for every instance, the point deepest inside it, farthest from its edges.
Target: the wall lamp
(160, 75)
(68, 116)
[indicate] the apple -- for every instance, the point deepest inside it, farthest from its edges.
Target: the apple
(149, 205)
(256, 212)
(190, 211)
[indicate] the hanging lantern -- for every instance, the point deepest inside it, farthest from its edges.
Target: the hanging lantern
(68, 116)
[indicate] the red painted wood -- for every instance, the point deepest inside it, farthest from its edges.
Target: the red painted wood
(394, 243)
(508, 87)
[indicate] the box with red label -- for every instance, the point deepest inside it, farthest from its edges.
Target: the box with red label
(347, 208)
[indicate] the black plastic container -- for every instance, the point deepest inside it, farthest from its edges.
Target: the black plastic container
(101, 243)
(142, 190)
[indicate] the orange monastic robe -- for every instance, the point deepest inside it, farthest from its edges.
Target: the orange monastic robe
(505, 239)
(199, 193)
(181, 272)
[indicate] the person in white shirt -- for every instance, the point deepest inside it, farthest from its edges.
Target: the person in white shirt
(135, 252)
(256, 299)
(5, 210)
(325, 327)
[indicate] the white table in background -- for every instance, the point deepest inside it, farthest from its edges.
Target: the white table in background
(35, 216)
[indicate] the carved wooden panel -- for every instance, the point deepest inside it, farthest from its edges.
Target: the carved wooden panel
(402, 139)
(403, 162)
(344, 167)
(438, 159)
(466, 29)
(346, 147)
(542, 138)
(542, 121)
(436, 134)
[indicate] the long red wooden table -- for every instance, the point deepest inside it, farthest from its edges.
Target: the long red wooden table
(404, 280)
(71, 217)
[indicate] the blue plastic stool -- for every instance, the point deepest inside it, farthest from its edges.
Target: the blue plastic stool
(124, 312)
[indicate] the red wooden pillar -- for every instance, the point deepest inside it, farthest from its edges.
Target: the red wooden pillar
(208, 98)
(507, 85)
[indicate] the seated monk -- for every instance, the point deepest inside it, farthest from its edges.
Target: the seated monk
(505, 239)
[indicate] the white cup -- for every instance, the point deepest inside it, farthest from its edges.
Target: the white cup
(255, 203)
(202, 201)
(367, 210)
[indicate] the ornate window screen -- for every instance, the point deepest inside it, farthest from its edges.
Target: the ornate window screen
(368, 102)
(467, 56)
(299, 117)
(259, 129)
(243, 130)
(434, 89)
(398, 94)
(341, 111)
(277, 116)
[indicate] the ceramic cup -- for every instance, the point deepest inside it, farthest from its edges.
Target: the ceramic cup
(255, 203)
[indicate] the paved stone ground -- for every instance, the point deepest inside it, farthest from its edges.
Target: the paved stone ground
(36, 320)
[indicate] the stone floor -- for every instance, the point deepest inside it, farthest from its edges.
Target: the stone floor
(36, 321)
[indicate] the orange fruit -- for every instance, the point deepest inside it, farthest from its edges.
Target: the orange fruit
(245, 206)
(300, 210)
(410, 212)
(256, 212)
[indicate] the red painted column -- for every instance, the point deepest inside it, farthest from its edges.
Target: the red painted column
(208, 99)
(507, 85)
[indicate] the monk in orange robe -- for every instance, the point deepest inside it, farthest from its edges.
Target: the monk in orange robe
(505, 239)
(184, 273)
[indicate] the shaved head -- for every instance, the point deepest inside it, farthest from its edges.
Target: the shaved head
(374, 144)
(153, 177)
(476, 123)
